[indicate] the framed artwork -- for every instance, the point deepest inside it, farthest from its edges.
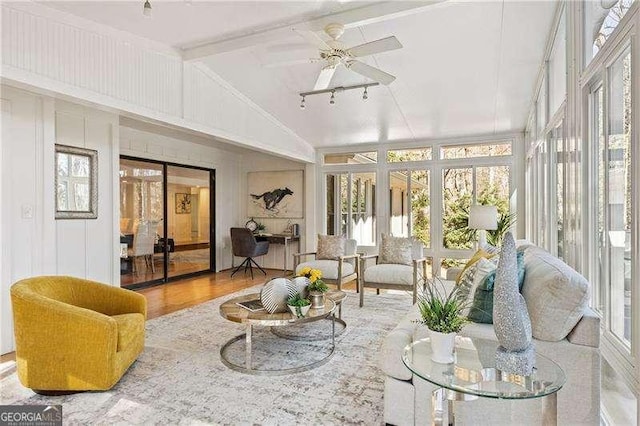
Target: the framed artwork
(183, 203)
(76, 182)
(277, 194)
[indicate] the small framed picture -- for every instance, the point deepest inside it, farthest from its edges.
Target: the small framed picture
(183, 203)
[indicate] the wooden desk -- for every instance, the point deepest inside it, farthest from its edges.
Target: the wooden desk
(284, 239)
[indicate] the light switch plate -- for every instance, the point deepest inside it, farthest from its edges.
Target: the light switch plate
(27, 211)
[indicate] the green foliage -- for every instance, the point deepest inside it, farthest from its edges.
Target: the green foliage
(298, 300)
(505, 222)
(260, 227)
(440, 311)
(318, 285)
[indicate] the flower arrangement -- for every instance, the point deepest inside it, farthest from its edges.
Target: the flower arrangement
(314, 276)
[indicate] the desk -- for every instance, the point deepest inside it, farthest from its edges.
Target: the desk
(284, 239)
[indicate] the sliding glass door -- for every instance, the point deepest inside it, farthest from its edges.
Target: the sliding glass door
(165, 221)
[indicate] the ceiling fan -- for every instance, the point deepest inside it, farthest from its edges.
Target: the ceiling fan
(334, 53)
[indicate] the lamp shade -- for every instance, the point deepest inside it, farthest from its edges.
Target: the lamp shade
(483, 217)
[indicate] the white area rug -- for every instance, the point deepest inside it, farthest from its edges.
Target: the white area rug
(179, 378)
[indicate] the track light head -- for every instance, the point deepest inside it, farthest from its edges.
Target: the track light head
(302, 105)
(365, 95)
(333, 97)
(146, 10)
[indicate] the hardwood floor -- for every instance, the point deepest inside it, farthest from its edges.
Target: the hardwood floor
(171, 297)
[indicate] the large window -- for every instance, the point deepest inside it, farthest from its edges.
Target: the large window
(410, 204)
(601, 18)
(351, 206)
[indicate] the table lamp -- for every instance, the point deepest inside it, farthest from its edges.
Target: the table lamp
(483, 218)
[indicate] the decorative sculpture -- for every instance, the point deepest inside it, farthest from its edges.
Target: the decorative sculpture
(511, 321)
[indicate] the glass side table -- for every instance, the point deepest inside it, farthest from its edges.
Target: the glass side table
(473, 374)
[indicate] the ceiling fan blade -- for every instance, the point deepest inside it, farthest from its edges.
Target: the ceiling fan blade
(313, 38)
(378, 46)
(292, 62)
(368, 71)
(324, 79)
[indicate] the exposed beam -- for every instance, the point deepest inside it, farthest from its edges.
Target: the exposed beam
(365, 15)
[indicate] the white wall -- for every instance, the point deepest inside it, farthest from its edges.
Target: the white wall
(36, 243)
(260, 162)
(52, 50)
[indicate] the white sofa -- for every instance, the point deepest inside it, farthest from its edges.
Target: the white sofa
(407, 398)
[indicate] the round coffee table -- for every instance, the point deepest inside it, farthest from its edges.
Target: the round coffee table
(474, 374)
(232, 312)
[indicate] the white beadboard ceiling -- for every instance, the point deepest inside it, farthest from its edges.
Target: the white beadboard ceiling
(466, 68)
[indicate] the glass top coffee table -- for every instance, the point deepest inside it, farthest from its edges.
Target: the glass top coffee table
(277, 358)
(474, 374)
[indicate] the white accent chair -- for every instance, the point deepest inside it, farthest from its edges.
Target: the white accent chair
(143, 242)
(392, 276)
(343, 270)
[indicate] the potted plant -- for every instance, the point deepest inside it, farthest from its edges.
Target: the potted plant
(298, 305)
(316, 287)
(442, 313)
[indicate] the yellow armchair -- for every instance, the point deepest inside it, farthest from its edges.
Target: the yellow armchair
(74, 334)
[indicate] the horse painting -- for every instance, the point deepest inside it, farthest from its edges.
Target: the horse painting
(271, 199)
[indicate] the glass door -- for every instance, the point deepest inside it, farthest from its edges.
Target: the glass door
(141, 217)
(188, 213)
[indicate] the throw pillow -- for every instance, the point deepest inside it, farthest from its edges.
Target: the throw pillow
(482, 306)
(477, 256)
(556, 295)
(330, 247)
(396, 250)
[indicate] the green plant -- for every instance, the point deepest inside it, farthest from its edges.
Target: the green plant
(505, 222)
(260, 227)
(441, 311)
(297, 301)
(318, 285)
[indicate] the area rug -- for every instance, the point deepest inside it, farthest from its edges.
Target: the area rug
(179, 378)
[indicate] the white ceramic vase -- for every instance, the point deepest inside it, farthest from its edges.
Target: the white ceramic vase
(304, 310)
(442, 345)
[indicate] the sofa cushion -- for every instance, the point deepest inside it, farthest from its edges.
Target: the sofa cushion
(482, 306)
(480, 254)
(129, 327)
(396, 250)
(330, 247)
(329, 268)
(556, 295)
(389, 274)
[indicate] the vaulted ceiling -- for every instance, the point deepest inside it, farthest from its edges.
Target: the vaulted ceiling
(466, 68)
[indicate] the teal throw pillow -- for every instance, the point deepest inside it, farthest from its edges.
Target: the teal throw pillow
(482, 306)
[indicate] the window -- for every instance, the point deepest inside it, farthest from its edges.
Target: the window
(476, 150)
(618, 204)
(600, 20)
(410, 216)
(400, 156)
(353, 195)
(351, 158)
(558, 68)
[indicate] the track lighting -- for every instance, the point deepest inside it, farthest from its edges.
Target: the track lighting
(146, 10)
(333, 91)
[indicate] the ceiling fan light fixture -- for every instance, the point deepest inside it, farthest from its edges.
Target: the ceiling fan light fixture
(365, 95)
(332, 100)
(146, 10)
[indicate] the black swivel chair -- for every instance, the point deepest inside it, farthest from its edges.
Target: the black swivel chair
(244, 244)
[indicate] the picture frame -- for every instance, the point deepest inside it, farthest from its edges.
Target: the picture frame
(275, 194)
(183, 203)
(75, 182)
